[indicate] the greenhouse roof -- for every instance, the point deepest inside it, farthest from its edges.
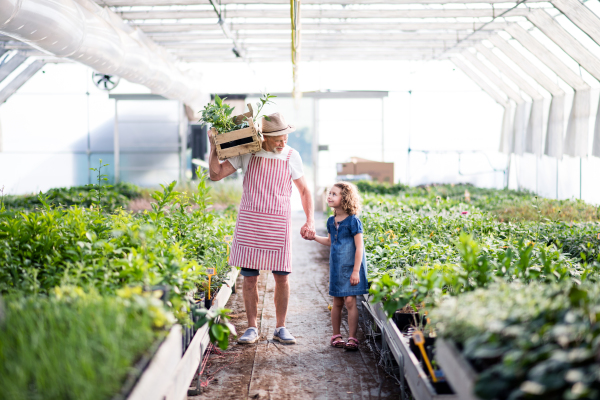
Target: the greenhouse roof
(520, 53)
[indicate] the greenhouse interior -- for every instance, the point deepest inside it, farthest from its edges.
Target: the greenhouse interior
(318, 199)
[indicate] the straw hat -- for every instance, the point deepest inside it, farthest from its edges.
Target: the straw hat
(276, 125)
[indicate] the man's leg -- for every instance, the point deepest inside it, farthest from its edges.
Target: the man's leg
(282, 296)
(250, 290)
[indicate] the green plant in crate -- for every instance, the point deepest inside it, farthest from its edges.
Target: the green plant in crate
(219, 114)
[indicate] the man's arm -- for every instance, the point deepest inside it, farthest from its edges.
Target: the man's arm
(308, 229)
(217, 170)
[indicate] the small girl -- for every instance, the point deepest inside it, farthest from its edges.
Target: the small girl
(347, 261)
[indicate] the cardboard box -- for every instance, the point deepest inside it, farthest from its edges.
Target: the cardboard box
(379, 171)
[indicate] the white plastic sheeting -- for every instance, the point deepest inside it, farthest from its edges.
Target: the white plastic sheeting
(520, 127)
(580, 111)
(535, 128)
(84, 32)
(596, 145)
(554, 134)
(506, 132)
(576, 141)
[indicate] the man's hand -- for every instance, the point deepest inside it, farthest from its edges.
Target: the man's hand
(308, 231)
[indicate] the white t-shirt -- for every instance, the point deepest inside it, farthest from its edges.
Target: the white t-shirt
(295, 164)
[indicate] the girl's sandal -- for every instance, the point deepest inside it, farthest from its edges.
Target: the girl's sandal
(337, 341)
(352, 346)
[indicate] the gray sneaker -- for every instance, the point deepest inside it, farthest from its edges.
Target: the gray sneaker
(249, 337)
(284, 336)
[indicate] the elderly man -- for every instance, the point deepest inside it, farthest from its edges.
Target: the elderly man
(262, 239)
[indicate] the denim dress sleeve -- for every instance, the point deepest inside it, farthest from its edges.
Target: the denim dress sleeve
(356, 226)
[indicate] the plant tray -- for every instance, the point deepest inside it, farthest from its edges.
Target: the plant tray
(418, 381)
(459, 373)
(169, 374)
(240, 142)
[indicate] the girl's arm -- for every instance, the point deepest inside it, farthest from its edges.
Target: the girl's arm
(358, 256)
(323, 240)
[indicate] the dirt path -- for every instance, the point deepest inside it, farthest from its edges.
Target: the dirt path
(311, 369)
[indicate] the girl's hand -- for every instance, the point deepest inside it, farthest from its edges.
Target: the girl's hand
(354, 278)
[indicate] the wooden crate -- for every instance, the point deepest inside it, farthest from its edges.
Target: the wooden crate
(237, 143)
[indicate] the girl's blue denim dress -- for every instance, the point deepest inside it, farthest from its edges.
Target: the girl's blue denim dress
(341, 258)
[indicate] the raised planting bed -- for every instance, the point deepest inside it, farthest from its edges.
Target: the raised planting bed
(459, 373)
(418, 381)
(169, 374)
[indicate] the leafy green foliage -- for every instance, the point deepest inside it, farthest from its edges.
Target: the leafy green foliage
(536, 341)
(118, 196)
(380, 188)
(170, 245)
(219, 114)
(73, 345)
(219, 327)
(430, 248)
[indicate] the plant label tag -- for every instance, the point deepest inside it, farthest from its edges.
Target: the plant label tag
(228, 238)
(210, 271)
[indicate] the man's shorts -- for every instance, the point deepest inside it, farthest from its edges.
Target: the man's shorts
(256, 272)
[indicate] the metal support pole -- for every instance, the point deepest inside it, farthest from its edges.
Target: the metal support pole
(183, 128)
(116, 149)
(409, 129)
(383, 130)
(557, 179)
(580, 176)
(315, 151)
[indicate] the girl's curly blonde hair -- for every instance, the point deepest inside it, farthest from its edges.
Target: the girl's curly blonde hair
(351, 202)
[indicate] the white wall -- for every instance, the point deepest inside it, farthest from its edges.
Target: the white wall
(45, 125)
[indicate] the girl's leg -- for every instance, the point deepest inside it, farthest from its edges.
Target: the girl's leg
(350, 302)
(336, 314)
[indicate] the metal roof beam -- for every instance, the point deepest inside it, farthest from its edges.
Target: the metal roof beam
(332, 14)
(309, 26)
(13, 63)
(547, 57)
(581, 16)
(494, 94)
(172, 38)
(493, 77)
(20, 80)
(127, 3)
(530, 68)
(356, 46)
(568, 43)
(513, 75)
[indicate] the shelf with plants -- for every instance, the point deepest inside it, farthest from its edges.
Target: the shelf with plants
(536, 341)
(52, 255)
(427, 244)
(409, 363)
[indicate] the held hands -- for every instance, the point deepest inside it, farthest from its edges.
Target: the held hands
(354, 278)
(308, 231)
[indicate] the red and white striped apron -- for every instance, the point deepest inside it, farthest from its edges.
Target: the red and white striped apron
(262, 238)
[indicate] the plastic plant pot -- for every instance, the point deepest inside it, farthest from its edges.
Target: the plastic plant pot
(406, 320)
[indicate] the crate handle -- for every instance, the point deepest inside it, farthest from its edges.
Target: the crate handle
(250, 113)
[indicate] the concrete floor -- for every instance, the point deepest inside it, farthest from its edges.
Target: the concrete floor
(311, 369)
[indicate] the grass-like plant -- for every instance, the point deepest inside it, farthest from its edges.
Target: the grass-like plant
(73, 345)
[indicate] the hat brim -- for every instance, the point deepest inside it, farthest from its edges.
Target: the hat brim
(285, 131)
